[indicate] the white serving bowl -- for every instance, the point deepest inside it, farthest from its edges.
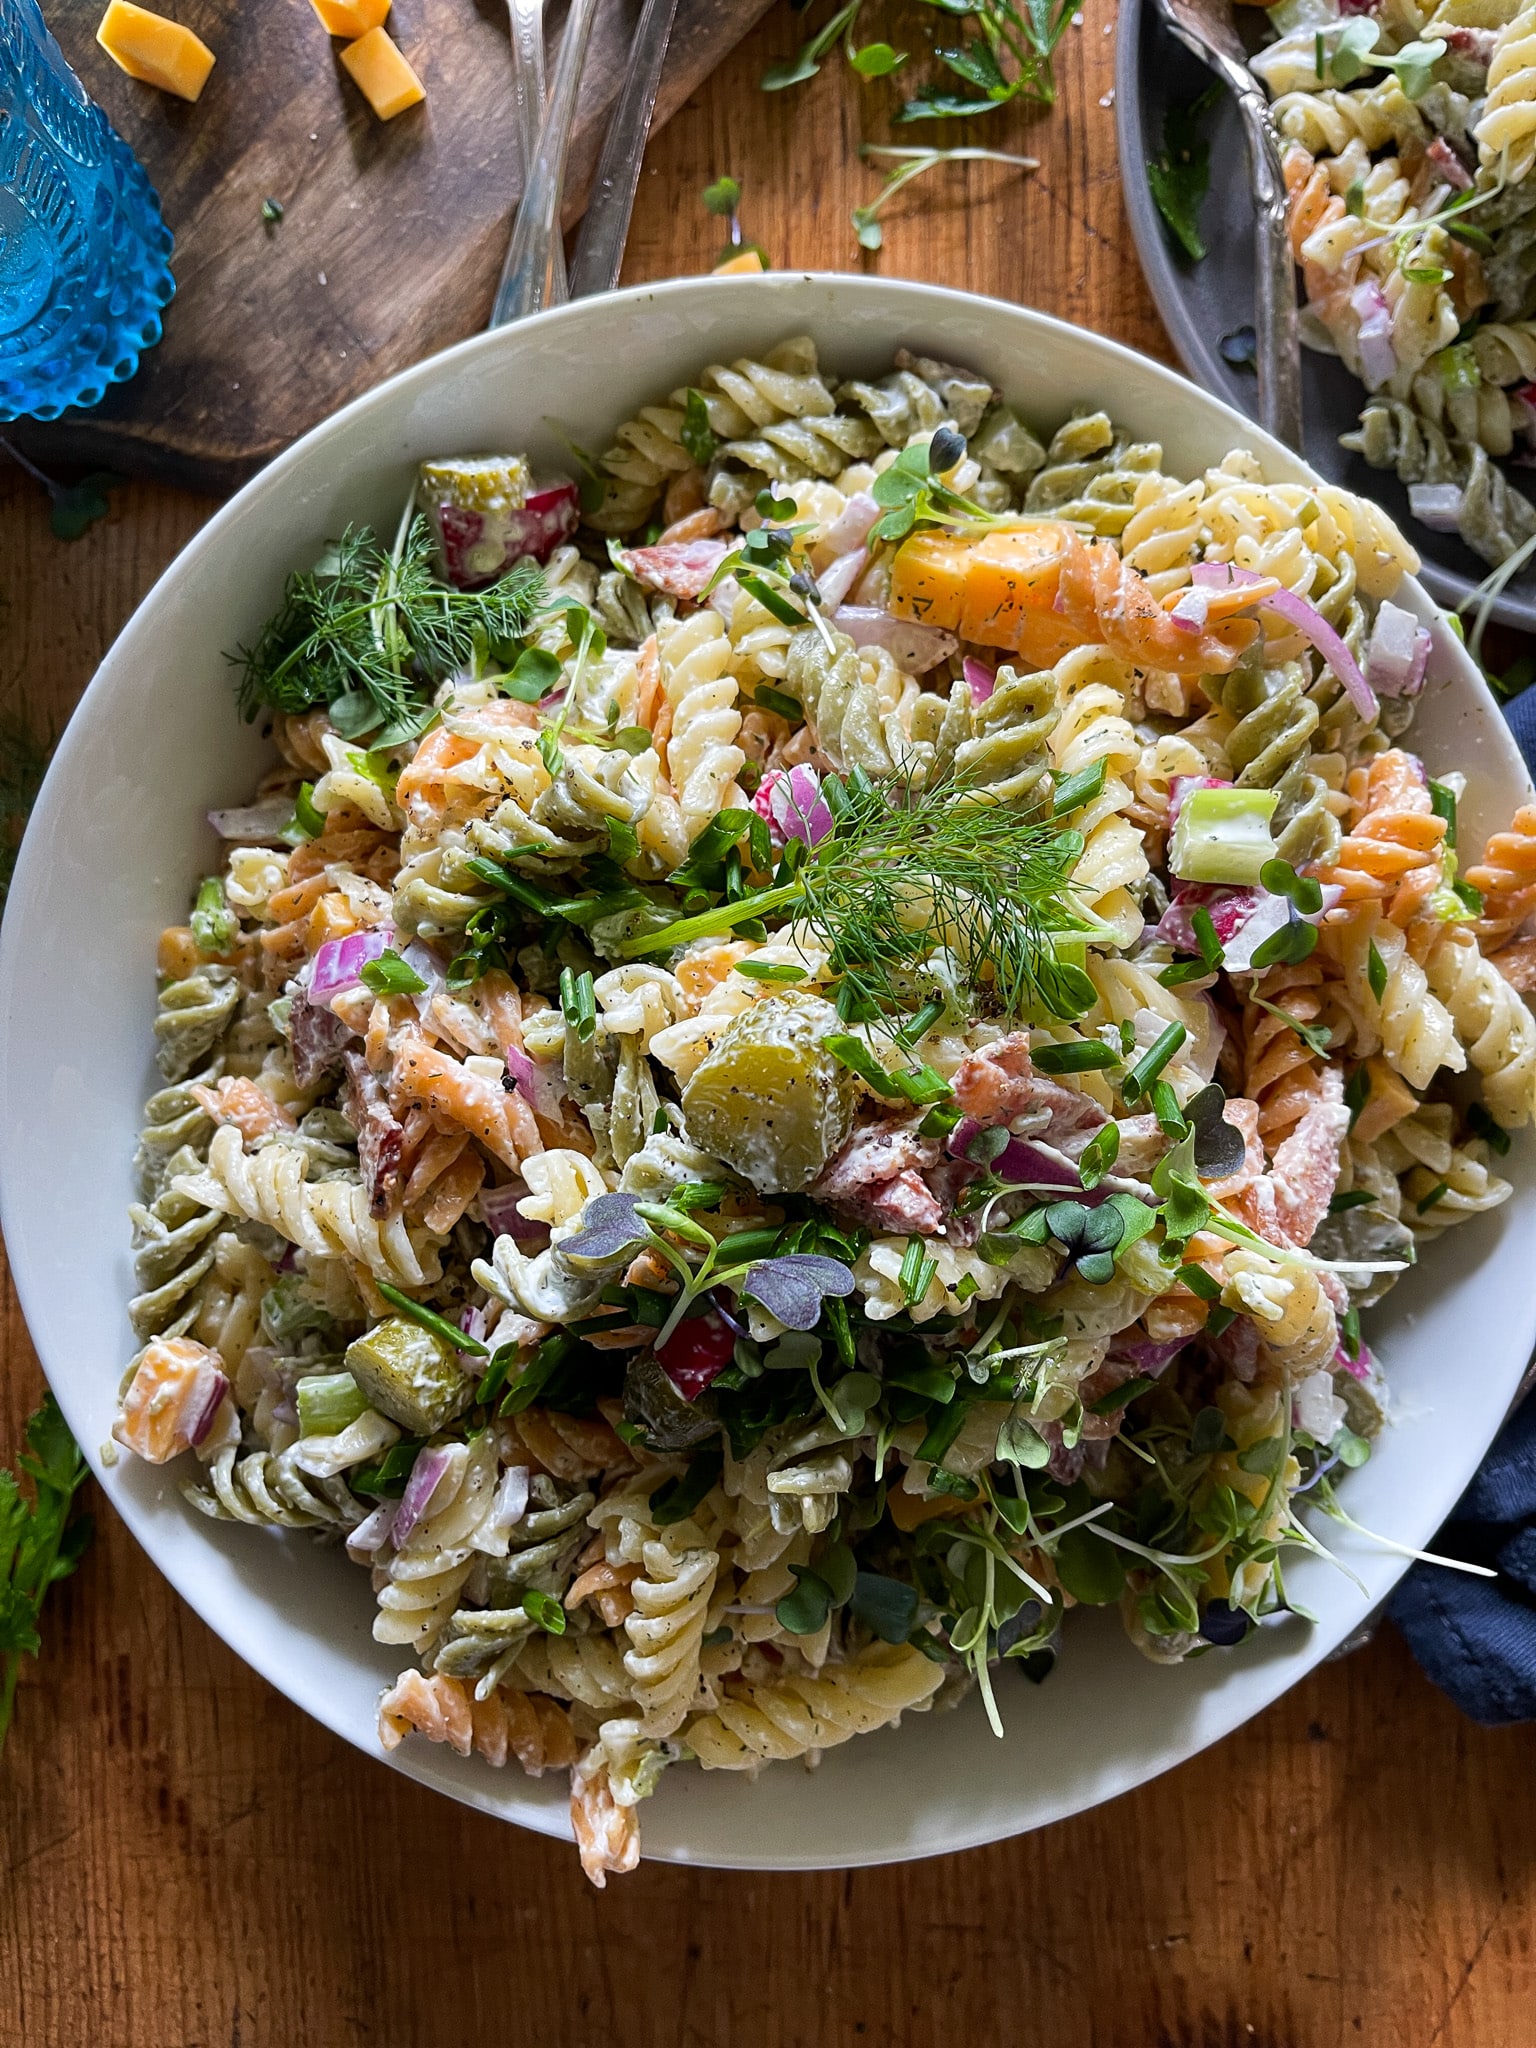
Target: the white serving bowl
(119, 838)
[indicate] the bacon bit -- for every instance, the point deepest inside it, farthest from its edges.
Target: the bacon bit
(999, 1086)
(680, 569)
(380, 1138)
(1447, 162)
(877, 1178)
(235, 1100)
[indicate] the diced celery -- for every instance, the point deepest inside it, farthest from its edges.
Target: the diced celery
(411, 1375)
(1223, 835)
(327, 1402)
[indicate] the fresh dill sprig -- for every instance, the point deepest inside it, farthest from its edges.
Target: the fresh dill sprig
(906, 873)
(23, 764)
(371, 632)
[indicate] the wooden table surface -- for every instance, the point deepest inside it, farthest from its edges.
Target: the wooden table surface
(188, 1860)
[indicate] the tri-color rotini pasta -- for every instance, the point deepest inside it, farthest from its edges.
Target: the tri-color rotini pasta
(829, 1081)
(1409, 137)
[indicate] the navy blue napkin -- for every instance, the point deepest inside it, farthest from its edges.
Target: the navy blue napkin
(1476, 1638)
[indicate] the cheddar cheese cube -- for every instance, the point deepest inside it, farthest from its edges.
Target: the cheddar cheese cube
(350, 17)
(382, 75)
(155, 51)
(740, 265)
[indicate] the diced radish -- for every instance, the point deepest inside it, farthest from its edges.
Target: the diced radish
(488, 514)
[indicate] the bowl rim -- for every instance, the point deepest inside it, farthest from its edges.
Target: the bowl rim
(429, 1766)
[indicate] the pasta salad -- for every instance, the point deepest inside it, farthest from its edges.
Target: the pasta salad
(1409, 138)
(807, 1059)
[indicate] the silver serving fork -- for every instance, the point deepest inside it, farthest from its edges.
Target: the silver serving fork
(528, 277)
(600, 244)
(528, 94)
(1206, 28)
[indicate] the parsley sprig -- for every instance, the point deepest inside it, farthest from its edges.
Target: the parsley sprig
(40, 1543)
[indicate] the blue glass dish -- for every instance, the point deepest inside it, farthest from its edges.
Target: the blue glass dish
(84, 253)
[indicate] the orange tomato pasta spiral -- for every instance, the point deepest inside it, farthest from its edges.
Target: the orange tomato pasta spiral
(1392, 852)
(1506, 876)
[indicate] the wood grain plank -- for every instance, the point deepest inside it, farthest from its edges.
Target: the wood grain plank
(393, 233)
(190, 1863)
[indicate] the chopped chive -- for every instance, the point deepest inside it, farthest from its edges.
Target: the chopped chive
(623, 841)
(917, 1271)
(1375, 972)
(1349, 1330)
(1077, 1056)
(578, 1004)
(1165, 1107)
(940, 1121)
(1120, 1397)
(920, 1025)
(1437, 1193)
(1357, 1092)
(1219, 1319)
(1199, 1282)
(429, 1319)
(306, 819)
(1442, 801)
(1073, 791)
(769, 970)
(1482, 1125)
(1354, 1198)
(1139, 1079)
(779, 701)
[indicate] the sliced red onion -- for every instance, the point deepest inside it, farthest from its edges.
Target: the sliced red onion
(339, 963)
(1230, 909)
(980, 680)
(541, 1088)
(498, 1209)
(371, 1535)
(850, 529)
(472, 1323)
(1437, 506)
(430, 968)
(791, 801)
(1449, 165)
(957, 1144)
(1398, 654)
(1358, 1368)
(1378, 358)
(255, 824)
(913, 647)
(1027, 1160)
(839, 577)
(201, 1403)
(426, 1475)
(1308, 620)
(509, 1503)
(1180, 787)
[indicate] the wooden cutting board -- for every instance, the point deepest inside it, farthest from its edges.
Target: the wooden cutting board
(392, 235)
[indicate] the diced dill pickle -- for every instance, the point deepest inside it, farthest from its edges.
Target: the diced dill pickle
(410, 1375)
(770, 1100)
